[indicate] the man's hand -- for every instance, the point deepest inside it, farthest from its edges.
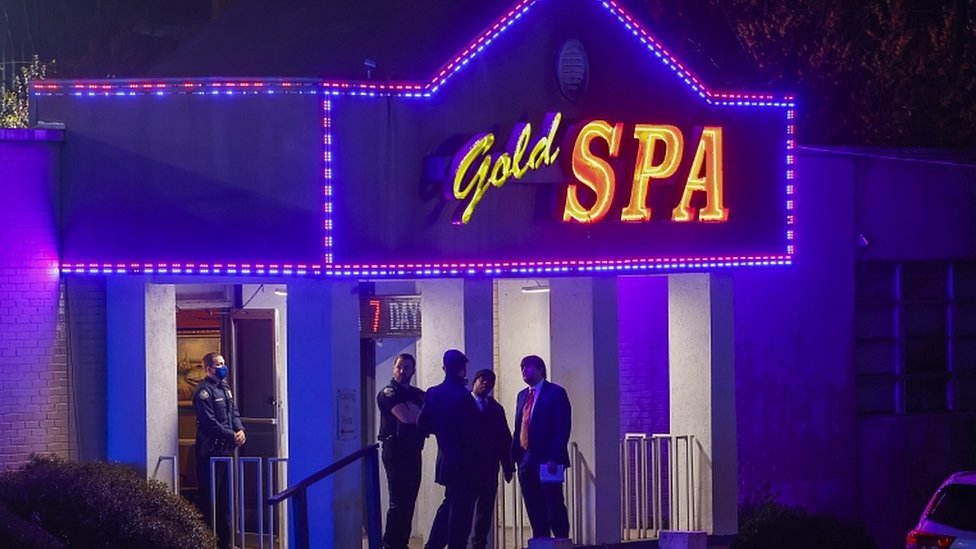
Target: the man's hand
(240, 438)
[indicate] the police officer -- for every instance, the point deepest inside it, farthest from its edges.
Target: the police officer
(219, 432)
(399, 405)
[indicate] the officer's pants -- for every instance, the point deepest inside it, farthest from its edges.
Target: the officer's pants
(203, 500)
(402, 462)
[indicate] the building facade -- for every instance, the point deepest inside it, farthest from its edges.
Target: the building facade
(701, 273)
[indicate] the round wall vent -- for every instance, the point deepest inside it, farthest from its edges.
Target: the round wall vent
(572, 69)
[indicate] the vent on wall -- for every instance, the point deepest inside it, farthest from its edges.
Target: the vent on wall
(572, 69)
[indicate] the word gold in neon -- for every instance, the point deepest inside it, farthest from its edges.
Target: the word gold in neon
(491, 171)
(596, 174)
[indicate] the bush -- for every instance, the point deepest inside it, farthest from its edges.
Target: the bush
(100, 505)
(766, 524)
(24, 534)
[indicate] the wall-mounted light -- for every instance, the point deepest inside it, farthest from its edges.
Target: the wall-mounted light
(537, 289)
(280, 292)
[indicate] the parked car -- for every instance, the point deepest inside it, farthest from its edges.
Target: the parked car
(949, 520)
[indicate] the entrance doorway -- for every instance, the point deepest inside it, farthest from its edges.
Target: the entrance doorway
(245, 323)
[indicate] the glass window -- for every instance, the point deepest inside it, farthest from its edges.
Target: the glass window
(954, 507)
(876, 395)
(964, 281)
(911, 320)
(924, 281)
(964, 354)
(926, 320)
(966, 392)
(926, 355)
(925, 395)
(875, 356)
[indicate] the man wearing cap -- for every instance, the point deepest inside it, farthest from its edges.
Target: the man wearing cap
(399, 405)
(451, 415)
(543, 417)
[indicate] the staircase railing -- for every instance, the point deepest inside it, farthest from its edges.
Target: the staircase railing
(299, 496)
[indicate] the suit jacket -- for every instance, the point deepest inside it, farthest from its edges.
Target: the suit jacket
(494, 441)
(549, 427)
(450, 414)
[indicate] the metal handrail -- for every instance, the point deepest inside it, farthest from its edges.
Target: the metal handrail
(176, 471)
(299, 497)
(272, 469)
(648, 477)
(260, 498)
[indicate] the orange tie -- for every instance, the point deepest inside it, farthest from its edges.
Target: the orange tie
(526, 417)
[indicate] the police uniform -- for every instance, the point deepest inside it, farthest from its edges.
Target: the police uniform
(217, 421)
(402, 444)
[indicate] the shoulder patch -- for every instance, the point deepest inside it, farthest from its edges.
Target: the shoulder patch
(389, 391)
(204, 394)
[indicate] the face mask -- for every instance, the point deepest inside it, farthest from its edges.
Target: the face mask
(220, 372)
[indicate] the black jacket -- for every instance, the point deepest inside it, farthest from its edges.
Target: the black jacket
(493, 439)
(217, 418)
(450, 414)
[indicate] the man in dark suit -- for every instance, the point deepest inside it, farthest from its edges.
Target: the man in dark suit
(494, 451)
(449, 413)
(543, 417)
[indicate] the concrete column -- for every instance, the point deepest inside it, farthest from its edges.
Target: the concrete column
(442, 328)
(347, 503)
(141, 373)
(311, 394)
(583, 329)
(478, 325)
(702, 391)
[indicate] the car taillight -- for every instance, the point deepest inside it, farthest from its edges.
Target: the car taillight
(924, 540)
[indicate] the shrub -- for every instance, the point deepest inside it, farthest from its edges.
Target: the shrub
(101, 505)
(24, 534)
(766, 524)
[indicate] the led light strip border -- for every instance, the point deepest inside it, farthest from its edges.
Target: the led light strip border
(123, 88)
(415, 90)
(505, 268)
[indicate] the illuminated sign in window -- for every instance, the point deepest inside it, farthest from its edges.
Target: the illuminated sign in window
(389, 316)
(594, 173)
(494, 172)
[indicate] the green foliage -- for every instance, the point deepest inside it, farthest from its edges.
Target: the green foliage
(886, 72)
(14, 111)
(99, 505)
(766, 524)
(882, 73)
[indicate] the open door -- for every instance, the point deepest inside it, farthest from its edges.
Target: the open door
(254, 355)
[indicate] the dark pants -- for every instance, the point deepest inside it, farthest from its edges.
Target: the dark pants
(223, 523)
(402, 463)
(484, 510)
(452, 522)
(544, 504)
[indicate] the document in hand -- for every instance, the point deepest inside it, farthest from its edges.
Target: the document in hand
(558, 476)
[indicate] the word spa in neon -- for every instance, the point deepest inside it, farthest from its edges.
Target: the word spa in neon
(595, 173)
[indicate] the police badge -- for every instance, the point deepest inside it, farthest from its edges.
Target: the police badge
(204, 394)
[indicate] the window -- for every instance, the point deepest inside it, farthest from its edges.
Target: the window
(915, 334)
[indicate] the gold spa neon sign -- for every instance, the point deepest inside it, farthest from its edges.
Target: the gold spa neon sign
(475, 169)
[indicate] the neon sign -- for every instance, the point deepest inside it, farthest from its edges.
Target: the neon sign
(595, 173)
(495, 172)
